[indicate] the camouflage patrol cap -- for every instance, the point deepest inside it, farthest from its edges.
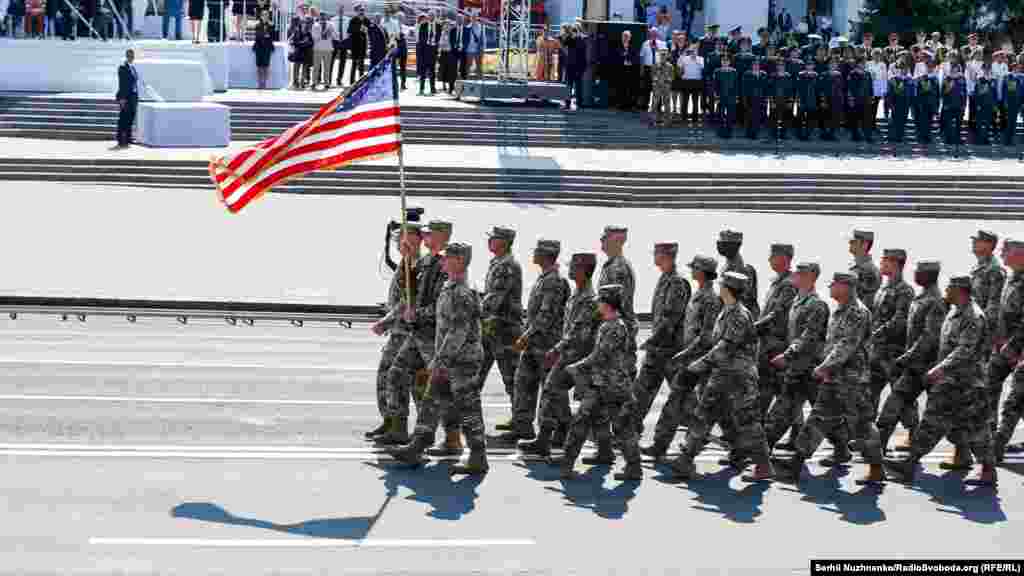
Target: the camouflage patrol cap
(960, 282)
(809, 267)
(986, 236)
(440, 226)
(730, 236)
(735, 281)
(410, 228)
(670, 248)
(844, 278)
(782, 250)
(704, 264)
(929, 266)
(610, 294)
(458, 250)
(548, 248)
(609, 230)
(1011, 244)
(500, 233)
(584, 258)
(864, 235)
(897, 253)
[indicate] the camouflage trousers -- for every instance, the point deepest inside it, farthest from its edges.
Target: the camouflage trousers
(554, 398)
(901, 404)
(953, 405)
(656, 368)
(770, 379)
(678, 409)
(998, 370)
(498, 349)
(529, 374)
(600, 409)
(387, 358)
(416, 353)
(661, 103)
(726, 393)
(1014, 406)
(880, 373)
(830, 418)
(798, 387)
(462, 405)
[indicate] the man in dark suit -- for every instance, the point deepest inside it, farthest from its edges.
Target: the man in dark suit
(357, 31)
(127, 98)
(455, 41)
(625, 62)
(378, 40)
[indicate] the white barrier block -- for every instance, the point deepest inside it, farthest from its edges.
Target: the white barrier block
(188, 125)
(173, 80)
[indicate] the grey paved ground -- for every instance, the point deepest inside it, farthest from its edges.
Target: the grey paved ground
(156, 448)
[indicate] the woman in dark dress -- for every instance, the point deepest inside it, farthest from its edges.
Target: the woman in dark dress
(196, 8)
(263, 46)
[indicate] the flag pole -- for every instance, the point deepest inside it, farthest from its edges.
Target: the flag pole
(406, 269)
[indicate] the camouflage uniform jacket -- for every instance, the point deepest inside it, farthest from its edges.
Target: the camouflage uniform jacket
(749, 299)
(806, 332)
(1011, 313)
(924, 324)
(397, 296)
(457, 341)
(545, 310)
(610, 362)
(503, 287)
(699, 323)
(987, 281)
(771, 325)
(618, 270)
(430, 280)
(868, 279)
(962, 345)
(668, 306)
(579, 326)
(735, 343)
(889, 317)
(663, 73)
(845, 355)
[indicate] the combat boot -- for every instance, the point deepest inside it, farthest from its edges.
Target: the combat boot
(397, 435)
(987, 476)
(539, 447)
(566, 468)
(961, 460)
(559, 437)
(790, 468)
(683, 467)
(605, 455)
(762, 471)
(999, 448)
(379, 430)
(452, 445)
(840, 455)
(855, 446)
(875, 475)
(907, 445)
(734, 460)
(411, 453)
(475, 466)
(656, 451)
(632, 471)
(904, 469)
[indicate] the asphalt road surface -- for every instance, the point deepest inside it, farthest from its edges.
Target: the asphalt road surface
(207, 448)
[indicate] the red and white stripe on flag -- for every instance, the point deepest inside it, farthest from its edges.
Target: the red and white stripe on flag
(362, 126)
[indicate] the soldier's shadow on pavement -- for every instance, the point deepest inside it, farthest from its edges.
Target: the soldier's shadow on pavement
(713, 494)
(588, 491)
(353, 528)
(976, 504)
(450, 499)
(825, 489)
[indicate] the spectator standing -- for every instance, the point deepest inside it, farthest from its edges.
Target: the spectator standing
(34, 19)
(342, 44)
(648, 58)
(626, 74)
(196, 9)
(444, 59)
(692, 68)
(879, 84)
(563, 56)
(301, 39)
(358, 28)
(51, 9)
(458, 56)
(393, 28)
(473, 46)
(426, 50)
(678, 50)
(239, 8)
(127, 98)
(324, 37)
(378, 40)
(172, 9)
(263, 46)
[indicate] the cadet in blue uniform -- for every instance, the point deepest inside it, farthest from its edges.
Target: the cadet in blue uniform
(858, 83)
(900, 96)
(926, 103)
(1012, 85)
(753, 99)
(984, 103)
(835, 100)
(953, 92)
(726, 79)
(807, 101)
(781, 101)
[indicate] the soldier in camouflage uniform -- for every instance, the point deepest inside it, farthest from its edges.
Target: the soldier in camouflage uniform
(771, 326)
(1010, 342)
(957, 396)
(418, 350)
(806, 329)
(698, 331)
(729, 243)
(579, 328)
(409, 241)
(987, 281)
(863, 268)
(731, 388)
(502, 308)
(544, 315)
(661, 99)
(454, 367)
(840, 375)
(609, 397)
(924, 323)
(668, 306)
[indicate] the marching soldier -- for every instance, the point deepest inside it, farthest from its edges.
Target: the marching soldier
(926, 103)
(544, 314)
(502, 310)
(698, 330)
(417, 352)
(668, 306)
(900, 95)
(753, 86)
(953, 95)
(863, 267)
(1013, 85)
(731, 390)
(409, 241)
(729, 242)
(807, 110)
(608, 400)
(725, 81)
(807, 326)
(840, 375)
(771, 327)
(957, 395)
(987, 281)
(1009, 342)
(454, 368)
(579, 328)
(924, 322)
(984, 103)
(782, 101)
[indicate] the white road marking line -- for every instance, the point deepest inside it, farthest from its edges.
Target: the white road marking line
(311, 543)
(184, 400)
(192, 365)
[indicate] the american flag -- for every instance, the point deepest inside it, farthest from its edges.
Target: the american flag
(360, 124)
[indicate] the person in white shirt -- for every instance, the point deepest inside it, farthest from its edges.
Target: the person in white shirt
(920, 67)
(648, 57)
(324, 36)
(473, 40)
(972, 73)
(999, 70)
(879, 81)
(341, 45)
(691, 68)
(396, 37)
